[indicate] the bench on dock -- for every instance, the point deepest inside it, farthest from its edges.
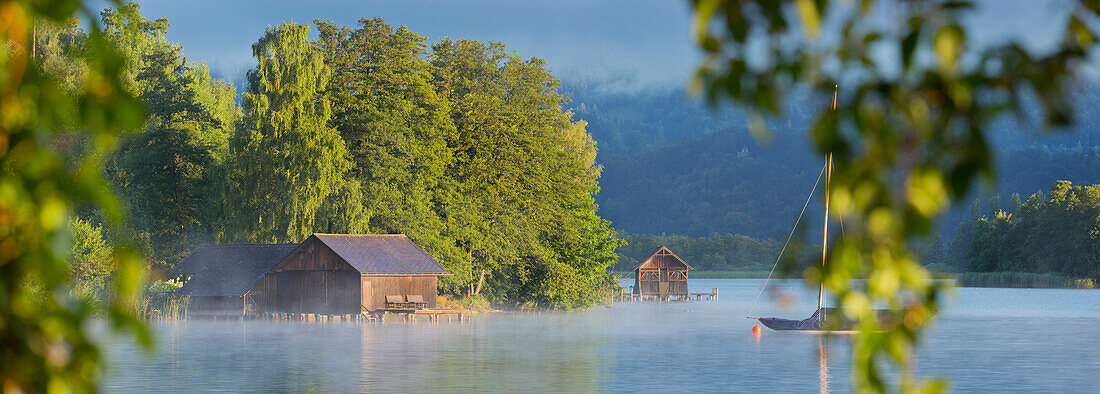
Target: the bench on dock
(396, 302)
(417, 301)
(412, 301)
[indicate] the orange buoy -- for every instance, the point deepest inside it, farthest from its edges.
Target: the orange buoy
(755, 329)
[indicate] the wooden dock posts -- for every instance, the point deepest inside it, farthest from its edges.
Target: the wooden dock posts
(433, 315)
(313, 317)
(625, 296)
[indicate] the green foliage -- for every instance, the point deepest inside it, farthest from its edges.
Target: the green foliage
(908, 136)
(43, 338)
(287, 161)
(167, 171)
(465, 148)
(1055, 233)
(396, 128)
(524, 178)
(90, 260)
(475, 302)
(160, 301)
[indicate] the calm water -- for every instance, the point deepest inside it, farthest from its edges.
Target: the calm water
(999, 340)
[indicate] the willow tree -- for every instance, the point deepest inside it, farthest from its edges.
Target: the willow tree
(908, 136)
(288, 161)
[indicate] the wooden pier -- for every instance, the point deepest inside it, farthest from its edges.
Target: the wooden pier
(431, 314)
(628, 296)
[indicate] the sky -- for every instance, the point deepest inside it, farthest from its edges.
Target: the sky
(645, 42)
(636, 43)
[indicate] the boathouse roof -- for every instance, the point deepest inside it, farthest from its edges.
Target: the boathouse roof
(382, 254)
(228, 270)
(664, 255)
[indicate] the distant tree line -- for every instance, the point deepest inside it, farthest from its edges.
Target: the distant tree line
(717, 252)
(462, 145)
(736, 255)
(1057, 232)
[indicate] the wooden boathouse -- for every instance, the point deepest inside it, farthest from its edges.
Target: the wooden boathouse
(340, 274)
(221, 280)
(660, 276)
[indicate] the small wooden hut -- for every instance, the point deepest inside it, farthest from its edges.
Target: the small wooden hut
(662, 275)
(221, 279)
(339, 274)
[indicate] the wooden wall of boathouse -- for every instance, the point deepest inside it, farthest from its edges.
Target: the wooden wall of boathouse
(377, 287)
(312, 279)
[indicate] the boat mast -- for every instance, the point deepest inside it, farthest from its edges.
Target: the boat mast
(825, 231)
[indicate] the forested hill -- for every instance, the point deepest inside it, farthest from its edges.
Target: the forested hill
(672, 166)
(719, 183)
(632, 121)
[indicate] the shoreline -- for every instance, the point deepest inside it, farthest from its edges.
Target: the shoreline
(1004, 280)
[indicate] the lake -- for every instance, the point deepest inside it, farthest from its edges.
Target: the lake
(985, 339)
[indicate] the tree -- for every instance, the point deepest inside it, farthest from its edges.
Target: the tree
(1052, 235)
(90, 259)
(164, 172)
(396, 128)
(1014, 204)
(523, 209)
(288, 161)
(908, 135)
(43, 337)
(169, 185)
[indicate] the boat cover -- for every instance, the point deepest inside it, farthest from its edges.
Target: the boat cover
(835, 316)
(810, 323)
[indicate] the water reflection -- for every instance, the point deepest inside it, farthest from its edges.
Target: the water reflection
(822, 365)
(631, 347)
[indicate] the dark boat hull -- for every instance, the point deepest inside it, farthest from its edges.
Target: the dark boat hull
(816, 323)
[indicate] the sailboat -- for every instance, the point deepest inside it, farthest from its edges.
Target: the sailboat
(823, 319)
(815, 322)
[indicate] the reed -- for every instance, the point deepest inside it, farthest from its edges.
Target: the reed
(159, 301)
(1022, 280)
(162, 305)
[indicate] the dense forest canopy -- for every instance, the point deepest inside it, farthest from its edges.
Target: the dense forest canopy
(464, 146)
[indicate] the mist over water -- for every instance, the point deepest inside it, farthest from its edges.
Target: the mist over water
(1002, 340)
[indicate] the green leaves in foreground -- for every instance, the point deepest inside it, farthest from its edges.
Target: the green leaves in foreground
(43, 340)
(908, 136)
